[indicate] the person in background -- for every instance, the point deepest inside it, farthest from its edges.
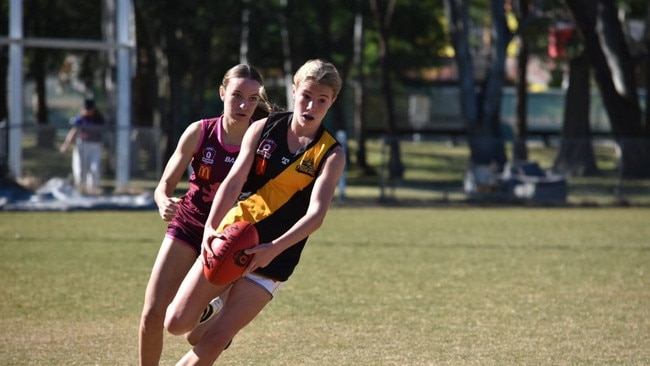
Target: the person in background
(210, 146)
(283, 182)
(87, 134)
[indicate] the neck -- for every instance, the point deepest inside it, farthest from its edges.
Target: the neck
(232, 131)
(299, 137)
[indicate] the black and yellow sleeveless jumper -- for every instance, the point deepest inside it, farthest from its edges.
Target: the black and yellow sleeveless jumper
(278, 188)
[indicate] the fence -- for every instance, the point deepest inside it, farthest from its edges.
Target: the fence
(41, 159)
(437, 110)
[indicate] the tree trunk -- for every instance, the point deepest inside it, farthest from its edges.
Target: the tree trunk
(38, 70)
(4, 115)
(520, 148)
(175, 73)
(481, 113)
(647, 69)
(395, 166)
(486, 142)
(576, 155)
(458, 15)
(245, 32)
(44, 134)
(145, 81)
(286, 52)
(614, 73)
(359, 89)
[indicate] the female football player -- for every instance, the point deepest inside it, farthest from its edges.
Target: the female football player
(283, 182)
(210, 146)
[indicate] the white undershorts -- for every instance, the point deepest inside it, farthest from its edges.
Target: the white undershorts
(271, 286)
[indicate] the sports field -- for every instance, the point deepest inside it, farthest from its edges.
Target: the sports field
(377, 286)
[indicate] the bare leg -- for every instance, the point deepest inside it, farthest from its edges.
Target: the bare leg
(191, 299)
(244, 302)
(195, 335)
(172, 263)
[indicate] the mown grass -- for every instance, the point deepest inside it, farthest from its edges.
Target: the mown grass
(376, 286)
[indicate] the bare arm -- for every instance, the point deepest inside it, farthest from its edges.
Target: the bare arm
(230, 188)
(319, 203)
(174, 170)
(68, 139)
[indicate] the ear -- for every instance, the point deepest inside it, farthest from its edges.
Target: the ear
(222, 92)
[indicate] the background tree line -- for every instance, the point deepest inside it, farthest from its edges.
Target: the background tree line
(184, 47)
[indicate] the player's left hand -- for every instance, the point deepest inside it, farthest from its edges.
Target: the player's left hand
(206, 247)
(264, 254)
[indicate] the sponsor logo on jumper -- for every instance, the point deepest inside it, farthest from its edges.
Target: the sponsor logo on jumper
(204, 171)
(285, 160)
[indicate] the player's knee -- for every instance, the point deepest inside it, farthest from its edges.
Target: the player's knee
(152, 316)
(177, 324)
(193, 337)
(176, 327)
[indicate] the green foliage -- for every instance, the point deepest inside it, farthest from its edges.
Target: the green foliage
(376, 286)
(417, 35)
(635, 8)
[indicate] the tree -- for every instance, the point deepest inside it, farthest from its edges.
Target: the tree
(481, 108)
(647, 64)
(359, 88)
(576, 155)
(520, 147)
(184, 48)
(382, 18)
(332, 24)
(530, 28)
(614, 73)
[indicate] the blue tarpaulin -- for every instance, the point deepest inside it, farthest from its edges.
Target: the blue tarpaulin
(59, 195)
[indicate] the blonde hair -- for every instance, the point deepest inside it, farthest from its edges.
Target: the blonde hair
(321, 72)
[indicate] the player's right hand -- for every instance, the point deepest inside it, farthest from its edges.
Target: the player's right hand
(168, 208)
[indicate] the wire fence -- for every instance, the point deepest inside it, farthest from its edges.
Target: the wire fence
(436, 168)
(41, 159)
(439, 169)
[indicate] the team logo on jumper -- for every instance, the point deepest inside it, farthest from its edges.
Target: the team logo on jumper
(266, 148)
(306, 166)
(208, 155)
(264, 151)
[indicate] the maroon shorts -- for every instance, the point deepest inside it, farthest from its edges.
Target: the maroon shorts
(190, 235)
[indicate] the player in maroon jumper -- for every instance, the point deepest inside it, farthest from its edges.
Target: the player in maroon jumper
(283, 182)
(210, 146)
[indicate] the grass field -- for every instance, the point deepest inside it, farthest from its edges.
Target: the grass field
(376, 286)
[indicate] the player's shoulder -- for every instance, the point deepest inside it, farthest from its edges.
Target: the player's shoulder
(258, 126)
(337, 155)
